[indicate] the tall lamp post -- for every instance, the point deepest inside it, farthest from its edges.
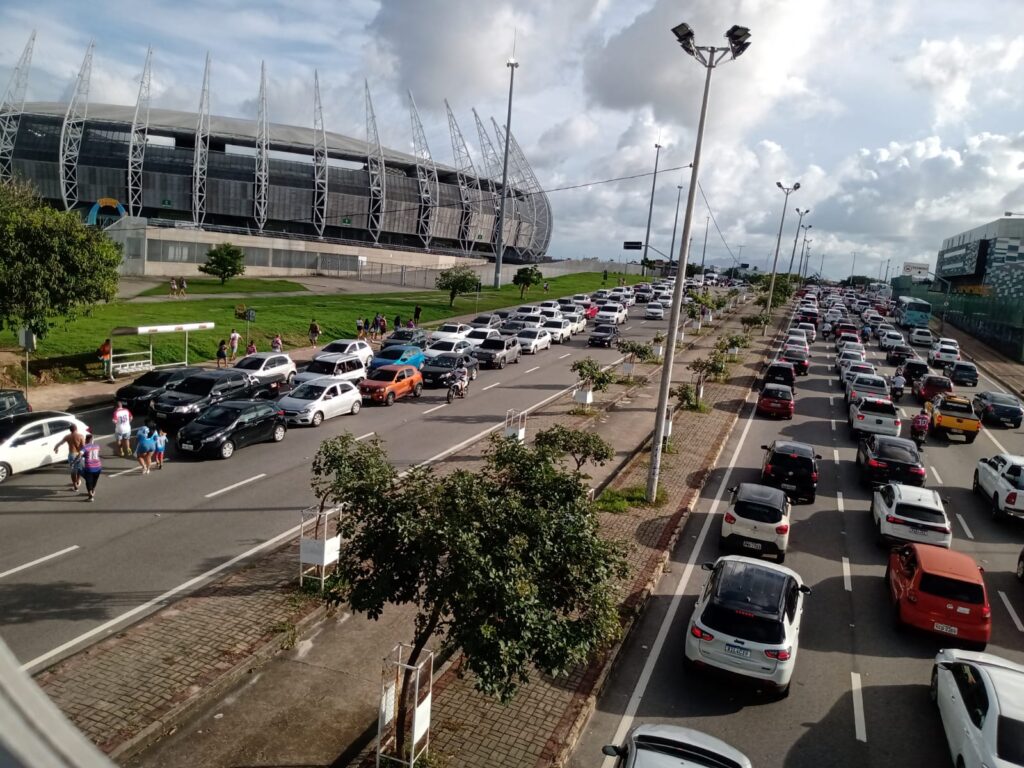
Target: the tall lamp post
(675, 221)
(803, 250)
(787, 191)
(799, 224)
(709, 57)
(650, 210)
(499, 245)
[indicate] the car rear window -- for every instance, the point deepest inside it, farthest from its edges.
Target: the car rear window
(776, 393)
(792, 461)
(952, 589)
(493, 344)
(760, 513)
(1010, 739)
(954, 407)
(739, 622)
(870, 381)
(881, 408)
(898, 452)
(924, 514)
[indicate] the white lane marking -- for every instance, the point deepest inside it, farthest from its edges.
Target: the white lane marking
(839, 501)
(102, 437)
(363, 437)
(531, 370)
(963, 524)
(490, 386)
(992, 437)
(938, 479)
(847, 584)
(831, 401)
(833, 423)
(902, 414)
(126, 471)
(96, 410)
(835, 455)
(643, 322)
(39, 560)
(1013, 613)
(859, 729)
(567, 354)
(106, 626)
(435, 408)
(677, 596)
(235, 485)
(627, 327)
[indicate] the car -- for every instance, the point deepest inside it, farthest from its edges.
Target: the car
(914, 369)
(560, 330)
(479, 336)
(776, 400)
(533, 340)
(851, 355)
(799, 358)
(889, 339)
(810, 331)
(406, 337)
(268, 366)
(547, 314)
(655, 310)
(962, 373)
(747, 621)
(866, 385)
(899, 354)
(441, 346)
(357, 347)
(884, 459)
(530, 319)
(451, 331)
(231, 424)
(150, 385)
(1000, 481)
(315, 400)
(927, 387)
(391, 382)
(999, 408)
(940, 355)
(757, 521)
(486, 321)
(13, 402)
(798, 342)
(577, 322)
(190, 396)
(905, 513)
(978, 696)
(511, 327)
(780, 372)
(549, 304)
(851, 369)
(844, 338)
(611, 313)
(940, 591)
(590, 310)
(27, 440)
(874, 415)
(345, 367)
(436, 370)
(498, 352)
(604, 335)
(580, 298)
(398, 355)
(921, 337)
(791, 466)
(953, 415)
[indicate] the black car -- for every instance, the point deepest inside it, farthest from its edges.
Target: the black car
(780, 372)
(150, 385)
(511, 328)
(914, 370)
(962, 373)
(13, 402)
(884, 459)
(603, 336)
(791, 466)
(899, 354)
(415, 337)
(176, 407)
(436, 369)
(799, 358)
(229, 425)
(999, 408)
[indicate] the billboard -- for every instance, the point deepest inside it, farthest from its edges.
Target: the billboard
(962, 260)
(918, 269)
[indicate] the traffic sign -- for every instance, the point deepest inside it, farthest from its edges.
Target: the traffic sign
(632, 245)
(250, 315)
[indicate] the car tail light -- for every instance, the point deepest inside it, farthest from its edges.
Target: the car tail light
(700, 634)
(898, 423)
(280, 413)
(780, 529)
(860, 417)
(814, 476)
(780, 654)
(1011, 497)
(730, 518)
(986, 611)
(917, 471)
(768, 469)
(876, 464)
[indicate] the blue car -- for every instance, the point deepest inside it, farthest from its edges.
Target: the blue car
(398, 355)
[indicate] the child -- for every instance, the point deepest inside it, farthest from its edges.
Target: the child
(161, 447)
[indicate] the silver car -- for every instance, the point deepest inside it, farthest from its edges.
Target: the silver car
(656, 746)
(533, 340)
(324, 398)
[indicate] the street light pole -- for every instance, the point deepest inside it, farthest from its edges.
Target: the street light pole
(821, 268)
(803, 248)
(853, 268)
(805, 258)
(796, 237)
(704, 252)
(787, 191)
(709, 57)
(675, 221)
(650, 210)
(499, 245)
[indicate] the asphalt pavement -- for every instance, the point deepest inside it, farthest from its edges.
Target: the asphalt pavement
(860, 689)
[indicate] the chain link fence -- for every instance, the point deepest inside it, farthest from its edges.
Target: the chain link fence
(999, 322)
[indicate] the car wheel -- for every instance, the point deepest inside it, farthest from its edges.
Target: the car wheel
(473, 375)
(997, 514)
(811, 498)
(417, 390)
(5, 471)
(780, 558)
(279, 432)
(502, 363)
(933, 687)
(975, 487)
(317, 420)
(355, 407)
(782, 692)
(390, 399)
(291, 378)
(518, 358)
(972, 437)
(1020, 568)
(227, 450)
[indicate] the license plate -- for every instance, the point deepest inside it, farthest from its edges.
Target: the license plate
(945, 628)
(956, 431)
(187, 446)
(752, 545)
(878, 421)
(788, 487)
(918, 530)
(1007, 422)
(736, 650)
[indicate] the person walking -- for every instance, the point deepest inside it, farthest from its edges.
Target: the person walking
(105, 354)
(92, 465)
(174, 289)
(74, 441)
(546, 286)
(416, 312)
(182, 287)
(222, 354)
(159, 447)
(123, 429)
(250, 348)
(398, 322)
(314, 332)
(144, 447)
(276, 344)
(233, 341)
(366, 328)
(383, 326)
(375, 327)
(359, 328)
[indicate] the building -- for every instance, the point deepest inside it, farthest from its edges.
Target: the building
(986, 260)
(170, 184)
(916, 270)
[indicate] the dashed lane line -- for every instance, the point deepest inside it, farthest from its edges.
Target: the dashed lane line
(567, 354)
(491, 386)
(835, 455)
(435, 408)
(125, 471)
(239, 484)
(363, 437)
(938, 478)
(1009, 609)
(39, 560)
(839, 502)
(833, 423)
(847, 583)
(963, 524)
(859, 728)
(531, 370)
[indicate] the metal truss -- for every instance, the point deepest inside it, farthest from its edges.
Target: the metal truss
(492, 170)
(469, 184)
(542, 206)
(11, 107)
(201, 150)
(319, 160)
(376, 169)
(137, 145)
(72, 130)
(262, 154)
(515, 182)
(426, 177)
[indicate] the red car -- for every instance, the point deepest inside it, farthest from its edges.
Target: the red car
(776, 400)
(590, 310)
(941, 591)
(928, 387)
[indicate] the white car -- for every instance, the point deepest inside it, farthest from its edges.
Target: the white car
(533, 340)
(441, 346)
(1000, 479)
(655, 311)
(747, 620)
(560, 330)
(550, 314)
(452, 331)
(356, 347)
(866, 385)
(921, 337)
(345, 367)
(809, 331)
(941, 354)
(851, 369)
(757, 521)
(611, 313)
(312, 402)
(890, 339)
(850, 354)
(27, 440)
(268, 366)
(577, 320)
(479, 336)
(981, 707)
(847, 338)
(907, 513)
(874, 415)
(549, 304)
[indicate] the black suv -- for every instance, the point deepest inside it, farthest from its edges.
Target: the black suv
(176, 407)
(150, 385)
(436, 370)
(603, 336)
(13, 402)
(231, 424)
(410, 337)
(962, 373)
(914, 370)
(883, 459)
(791, 466)
(780, 372)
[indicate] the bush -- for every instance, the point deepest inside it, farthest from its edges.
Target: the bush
(590, 374)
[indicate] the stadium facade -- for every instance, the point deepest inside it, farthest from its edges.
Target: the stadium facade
(170, 184)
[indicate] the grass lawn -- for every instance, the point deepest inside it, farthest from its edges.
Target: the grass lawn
(235, 285)
(68, 353)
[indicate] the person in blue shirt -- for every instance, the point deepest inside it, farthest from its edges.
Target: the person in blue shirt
(160, 447)
(145, 444)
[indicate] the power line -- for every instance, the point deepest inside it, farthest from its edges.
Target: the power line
(715, 222)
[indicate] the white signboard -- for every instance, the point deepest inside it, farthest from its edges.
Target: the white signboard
(421, 723)
(387, 705)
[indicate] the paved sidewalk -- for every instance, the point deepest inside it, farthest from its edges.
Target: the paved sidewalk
(1003, 369)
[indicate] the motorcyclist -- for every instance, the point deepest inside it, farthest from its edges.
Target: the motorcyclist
(898, 382)
(462, 377)
(921, 423)
(826, 330)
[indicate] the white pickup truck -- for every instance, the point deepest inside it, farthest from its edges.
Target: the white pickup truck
(1001, 479)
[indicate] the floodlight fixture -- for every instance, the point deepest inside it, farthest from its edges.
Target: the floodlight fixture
(738, 37)
(684, 34)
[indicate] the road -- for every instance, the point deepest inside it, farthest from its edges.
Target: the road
(859, 693)
(72, 573)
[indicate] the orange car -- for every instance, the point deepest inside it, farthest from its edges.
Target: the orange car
(391, 382)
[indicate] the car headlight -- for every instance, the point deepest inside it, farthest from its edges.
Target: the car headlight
(190, 408)
(211, 438)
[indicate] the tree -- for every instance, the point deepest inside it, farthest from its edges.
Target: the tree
(581, 445)
(456, 280)
(52, 266)
(526, 278)
(591, 374)
(224, 261)
(505, 563)
(637, 351)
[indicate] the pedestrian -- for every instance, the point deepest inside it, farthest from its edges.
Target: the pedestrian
(375, 327)
(398, 322)
(604, 277)
(359, 328)
(160, 447)
(182, 287)
(546, 286)
(314, 332)
(383, 326)
(104, 353)
(144, 447)
(416, 312)
(123, 429)
(233, 341)
(174, 289)
(74, 441)
(276, 344)
(222, 354)
(92, 465)
(366, 327)
(250, 348)
(409, 323)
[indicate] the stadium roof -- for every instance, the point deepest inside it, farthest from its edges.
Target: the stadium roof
(286, 138)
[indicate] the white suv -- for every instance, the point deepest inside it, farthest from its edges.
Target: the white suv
(747, 620)
(876, 416)
(921, 337)
(757, 521)
(906, 513)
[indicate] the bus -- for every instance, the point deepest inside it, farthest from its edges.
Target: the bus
(913, 313)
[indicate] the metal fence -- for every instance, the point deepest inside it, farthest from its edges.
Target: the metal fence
(999, 322)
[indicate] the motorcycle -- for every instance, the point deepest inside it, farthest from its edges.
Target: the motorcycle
(897, 394)
(455, 387)
(919, 436)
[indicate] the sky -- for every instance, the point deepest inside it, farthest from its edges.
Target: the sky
(900, 119)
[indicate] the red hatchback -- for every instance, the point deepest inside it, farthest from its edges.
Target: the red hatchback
(776, 400)
(940, 591)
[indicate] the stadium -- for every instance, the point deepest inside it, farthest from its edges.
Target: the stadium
(168, 185)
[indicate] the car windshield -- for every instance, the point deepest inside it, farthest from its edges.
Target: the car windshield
(529, 334)
(904, 452)
(443, 362)
(381, 375)
(219, 416)
(952, 589)
(553, 324)
(479, 334)
(154, 378)
(605, 329)
(924, 514)
(320, 366)
(404, 334)
(484, 319)
(882, 408)
(760, 513)
(936, 382)
(449, 328)
(493, 344)
(795, 354)
(777, 393)
(195, 385)
(444, 346)
(336, 346)
(250, 363)
(307, 392)
(1010, 739)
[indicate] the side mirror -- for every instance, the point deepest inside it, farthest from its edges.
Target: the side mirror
(764, 447)
(817, 456)
(733, 489)
(613, 751)
(805, 589)
(709, 566)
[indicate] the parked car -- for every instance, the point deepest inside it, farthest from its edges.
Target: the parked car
(927, 387)
(498, 352)
(229, 425)
(176, 407)
(655, 310)
(451, 331)
(27, 440)
(999, 408)
(345, 367)
(962, 373)
(398, 355)
(532, 340)
(357, 347)
(1000, 480)
(746, 621)
(757, 521)
(905, 513)
(799, 358)
(953, 415)
(780, 372)
(559, 329)
(137, 395)
(391, 382)
(604, 335)
(939, 591)
(406, 337)
(921, 337)
(776, 400)
(479, 336)
(791, 466)
(315, 400)
(486, 321)
(436, 370)
(883, 459)
(874, 415)
(441, 346)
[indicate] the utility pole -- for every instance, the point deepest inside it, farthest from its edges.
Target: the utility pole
(650, 210)
(499, 245)
(787, 191)
(821, 268)
(796, 237)
(704, 253)
(675, 221)
(853, 268)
